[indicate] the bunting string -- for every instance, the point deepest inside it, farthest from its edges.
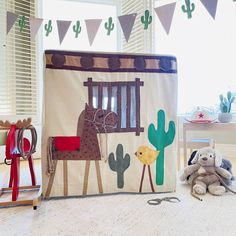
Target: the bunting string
(164, 13)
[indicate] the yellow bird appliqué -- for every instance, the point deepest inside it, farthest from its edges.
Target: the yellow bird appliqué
(146, 155)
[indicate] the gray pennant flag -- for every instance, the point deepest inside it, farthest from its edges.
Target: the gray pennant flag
(92, 26)
(127, 23)
(210, 6)
(35, 24)
(165, 14)
(11, 19)
(62, 27)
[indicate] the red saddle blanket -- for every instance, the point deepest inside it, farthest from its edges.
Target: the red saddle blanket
(67, 143)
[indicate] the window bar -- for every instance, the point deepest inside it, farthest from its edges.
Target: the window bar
(119, 107)
(109, 95)
(89, 83)
(100, 95)
(128, 106)
(137, 94)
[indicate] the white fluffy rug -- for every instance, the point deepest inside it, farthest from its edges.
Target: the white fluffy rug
(125, 215)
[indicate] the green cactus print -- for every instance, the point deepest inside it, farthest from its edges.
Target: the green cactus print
(120, 164)
(146, 19)
(77, 28)
(161, 139)
(189, 8)
(48, 28)
(22, 23)
(109, 26)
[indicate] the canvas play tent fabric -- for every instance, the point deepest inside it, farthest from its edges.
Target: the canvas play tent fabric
(109, 123)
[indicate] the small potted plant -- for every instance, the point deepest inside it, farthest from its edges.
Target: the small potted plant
(225, 107)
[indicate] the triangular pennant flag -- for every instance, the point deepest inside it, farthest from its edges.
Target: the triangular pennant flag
(62, 27)
(127, 23)
(35, 24)
(11, 19)
(165, 14)
(92, 26)
(211, 6)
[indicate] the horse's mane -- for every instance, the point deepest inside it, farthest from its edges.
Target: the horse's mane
(80, 123)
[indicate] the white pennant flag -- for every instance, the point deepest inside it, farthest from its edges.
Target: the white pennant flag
(62, 27)
(11, 19)
(165, 14)
(92, 26)
(210, 6)
(127, 23)
(35, 24)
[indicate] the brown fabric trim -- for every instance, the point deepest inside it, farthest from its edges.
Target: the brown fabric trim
(65, 177)
(142, 177)
(99, 179)
(86, 175)
(150, 178)
(51, 180)
(91, 82)
(90, 90)
(67, 60)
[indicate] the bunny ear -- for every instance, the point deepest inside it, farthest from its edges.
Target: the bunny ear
(195, 158)
(218, 159)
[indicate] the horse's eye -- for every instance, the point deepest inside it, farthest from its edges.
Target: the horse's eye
(210, 155)
(140, 153)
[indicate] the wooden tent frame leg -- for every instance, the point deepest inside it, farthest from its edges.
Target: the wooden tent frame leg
(86, 175)
(99, 179)
(51, 179)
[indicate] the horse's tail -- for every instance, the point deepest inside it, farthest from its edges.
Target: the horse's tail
(50, 165)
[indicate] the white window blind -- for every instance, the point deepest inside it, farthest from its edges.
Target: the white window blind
(140, 40)
(18, 90)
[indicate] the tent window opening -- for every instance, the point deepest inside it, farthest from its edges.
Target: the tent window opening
(120, 97)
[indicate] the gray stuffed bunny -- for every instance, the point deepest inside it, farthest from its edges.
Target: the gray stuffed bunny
(206, 160)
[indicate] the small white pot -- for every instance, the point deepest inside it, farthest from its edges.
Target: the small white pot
(225, 117)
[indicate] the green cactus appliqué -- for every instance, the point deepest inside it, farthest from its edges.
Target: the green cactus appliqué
(77, 28)
(48, 28)
(189, 8)
(109, 26)
(146, 19)
(120, 164)
(161, 139)
(22, 22)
